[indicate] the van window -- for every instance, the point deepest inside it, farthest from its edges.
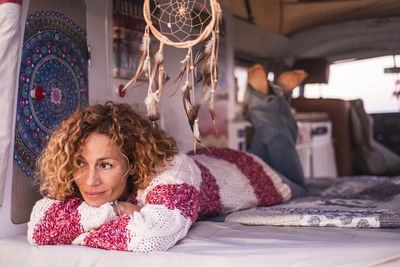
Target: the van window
(364, 79)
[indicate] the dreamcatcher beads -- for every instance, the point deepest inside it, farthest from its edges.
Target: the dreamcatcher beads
(151, 105)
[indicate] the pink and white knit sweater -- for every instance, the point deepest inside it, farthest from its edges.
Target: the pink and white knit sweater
(208, 183)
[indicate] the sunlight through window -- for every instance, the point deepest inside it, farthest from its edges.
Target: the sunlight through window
(364, 79)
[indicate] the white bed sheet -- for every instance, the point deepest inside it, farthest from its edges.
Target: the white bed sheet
(228, 244)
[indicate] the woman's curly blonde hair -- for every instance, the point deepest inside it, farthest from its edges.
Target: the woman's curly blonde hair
(147, 148)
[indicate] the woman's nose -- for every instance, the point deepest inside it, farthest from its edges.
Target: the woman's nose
(93, 177)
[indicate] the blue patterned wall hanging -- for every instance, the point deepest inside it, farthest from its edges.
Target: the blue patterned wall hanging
(53, 82)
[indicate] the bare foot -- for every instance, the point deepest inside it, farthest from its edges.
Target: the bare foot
(257, 78)
(289, 80)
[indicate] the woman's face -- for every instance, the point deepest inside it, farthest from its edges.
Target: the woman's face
(102, 171)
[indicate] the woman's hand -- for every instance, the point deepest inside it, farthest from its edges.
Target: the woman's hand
(125, 208)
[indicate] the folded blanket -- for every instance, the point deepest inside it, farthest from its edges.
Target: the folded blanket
(362, 201)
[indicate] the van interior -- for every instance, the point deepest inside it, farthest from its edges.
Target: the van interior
(347, 111)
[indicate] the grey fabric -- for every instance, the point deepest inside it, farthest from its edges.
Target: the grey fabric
(297, 190)
(371, 157)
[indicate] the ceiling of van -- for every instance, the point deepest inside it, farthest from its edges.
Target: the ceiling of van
(287, 17)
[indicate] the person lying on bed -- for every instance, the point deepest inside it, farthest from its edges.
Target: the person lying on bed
(111, 180)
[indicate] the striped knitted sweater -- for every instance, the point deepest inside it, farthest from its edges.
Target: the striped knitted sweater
(211, 182)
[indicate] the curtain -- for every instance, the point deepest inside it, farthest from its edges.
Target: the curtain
(10, 37)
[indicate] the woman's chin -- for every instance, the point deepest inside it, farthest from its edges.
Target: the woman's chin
(94, 201)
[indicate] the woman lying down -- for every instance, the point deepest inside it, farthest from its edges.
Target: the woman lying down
(110, 180)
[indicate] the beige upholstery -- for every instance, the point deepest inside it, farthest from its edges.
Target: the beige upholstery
(339, 114)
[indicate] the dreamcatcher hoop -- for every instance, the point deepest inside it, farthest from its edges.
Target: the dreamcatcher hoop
(215, 8)
(178, 13)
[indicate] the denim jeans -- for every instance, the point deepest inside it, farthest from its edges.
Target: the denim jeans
(275, 136)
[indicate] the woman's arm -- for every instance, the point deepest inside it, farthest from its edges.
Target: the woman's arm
(171, 206)
(60, 222)
(165, 219)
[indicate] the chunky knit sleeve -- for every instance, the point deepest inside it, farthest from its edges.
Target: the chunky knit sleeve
(171, 205)
(60, 222)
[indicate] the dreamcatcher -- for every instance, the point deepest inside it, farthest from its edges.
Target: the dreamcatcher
(182, 24)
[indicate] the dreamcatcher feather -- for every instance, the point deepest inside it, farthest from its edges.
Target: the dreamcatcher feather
(201, 15)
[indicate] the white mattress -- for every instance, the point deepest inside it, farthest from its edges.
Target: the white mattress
(228, 244)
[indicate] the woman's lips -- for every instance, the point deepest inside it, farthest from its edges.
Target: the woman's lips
(94, 195)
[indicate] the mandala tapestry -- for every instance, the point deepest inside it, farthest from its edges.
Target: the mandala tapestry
(53, 82)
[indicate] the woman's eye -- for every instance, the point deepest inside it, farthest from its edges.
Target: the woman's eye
(79, 163)
(105, 165)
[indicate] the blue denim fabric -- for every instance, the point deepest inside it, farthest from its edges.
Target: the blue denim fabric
(275, 135)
